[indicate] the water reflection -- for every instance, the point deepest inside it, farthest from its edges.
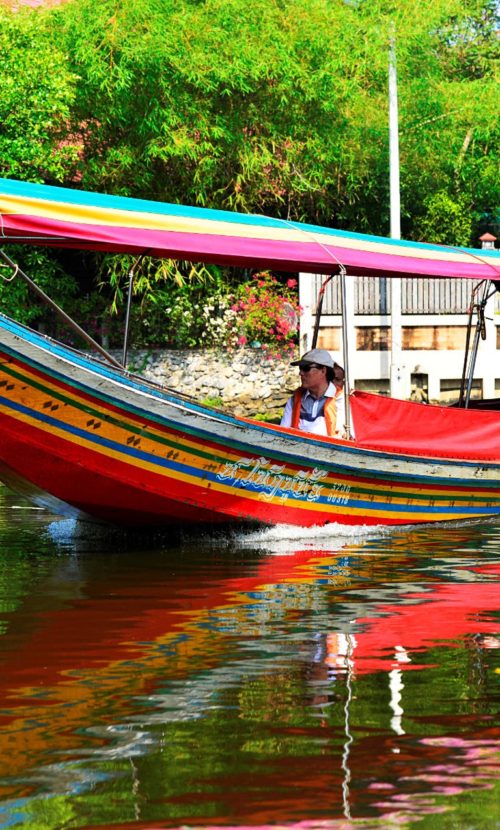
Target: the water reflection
(257, 679)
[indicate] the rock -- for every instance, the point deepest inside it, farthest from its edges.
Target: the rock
(246, 379)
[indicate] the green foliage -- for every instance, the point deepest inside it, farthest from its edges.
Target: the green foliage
(449, 118)
(35, 101)
(210, 313)
(446, 221)
(35, 143)
(269, 107)
(282, 107)
(19, 301)
(267, 417)
(215, 402)
(149, 275)
(174, 305)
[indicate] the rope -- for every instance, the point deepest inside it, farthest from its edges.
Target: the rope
(9, 279)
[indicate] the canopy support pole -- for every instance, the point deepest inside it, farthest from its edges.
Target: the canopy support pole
(47, 300)
(470, 355)
(131, 274)
(345, 351)
(345, 338)
(319, 309)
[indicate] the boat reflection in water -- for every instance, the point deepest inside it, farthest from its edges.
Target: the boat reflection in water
(254, 680)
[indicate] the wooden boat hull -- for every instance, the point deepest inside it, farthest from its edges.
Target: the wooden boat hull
(120, 450)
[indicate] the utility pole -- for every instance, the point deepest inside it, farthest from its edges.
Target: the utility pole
(397, 372)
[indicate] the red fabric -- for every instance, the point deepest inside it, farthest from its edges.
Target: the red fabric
(419, 429)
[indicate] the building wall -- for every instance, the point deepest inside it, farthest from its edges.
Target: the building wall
(432, 338)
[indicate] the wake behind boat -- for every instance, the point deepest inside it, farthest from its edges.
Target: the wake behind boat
(79, 435)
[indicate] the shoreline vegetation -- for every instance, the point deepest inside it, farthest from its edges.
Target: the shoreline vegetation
(273, 108)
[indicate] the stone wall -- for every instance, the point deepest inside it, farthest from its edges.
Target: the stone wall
(245, 382)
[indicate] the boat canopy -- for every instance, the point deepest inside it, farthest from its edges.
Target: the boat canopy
(40, 214)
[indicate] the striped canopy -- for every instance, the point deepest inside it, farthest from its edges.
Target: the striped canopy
(67, 218)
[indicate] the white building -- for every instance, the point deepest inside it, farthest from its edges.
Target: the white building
(433, 332)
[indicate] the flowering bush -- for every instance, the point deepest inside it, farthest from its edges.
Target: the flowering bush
(182, 317)
(262, 312)
(265, 313)
(196, 321)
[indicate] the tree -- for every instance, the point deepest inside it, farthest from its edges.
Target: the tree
(36, 98)
(447, 55)
(281, 107)
(275, 107)
(35, 101)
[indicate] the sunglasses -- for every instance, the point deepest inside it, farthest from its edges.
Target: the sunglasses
(306, 367)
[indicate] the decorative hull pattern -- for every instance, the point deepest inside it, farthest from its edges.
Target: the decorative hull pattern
(118, 449)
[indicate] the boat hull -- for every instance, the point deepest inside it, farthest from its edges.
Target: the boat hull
(120, 450)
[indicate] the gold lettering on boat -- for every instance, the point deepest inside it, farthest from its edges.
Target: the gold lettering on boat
(271, 481)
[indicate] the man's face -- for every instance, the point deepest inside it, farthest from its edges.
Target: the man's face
(311, 375)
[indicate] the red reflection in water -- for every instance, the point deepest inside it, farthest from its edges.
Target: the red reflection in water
(55, 681)
(397, 635)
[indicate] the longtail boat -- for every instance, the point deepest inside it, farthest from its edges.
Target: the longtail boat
(82, 435)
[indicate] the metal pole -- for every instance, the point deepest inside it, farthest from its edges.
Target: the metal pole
(127, 316)
(45, 297)
(461, 397)
(480, 334)
(129, 303)
(395, 201)
(319, 309)
(397, 381)
(345, 349)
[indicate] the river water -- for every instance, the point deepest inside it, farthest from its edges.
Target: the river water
(313, 680)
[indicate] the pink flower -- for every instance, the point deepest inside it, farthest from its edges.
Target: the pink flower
(291, 283)
(241, 340)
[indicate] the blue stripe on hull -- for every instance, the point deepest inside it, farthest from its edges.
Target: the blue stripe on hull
(366, 506)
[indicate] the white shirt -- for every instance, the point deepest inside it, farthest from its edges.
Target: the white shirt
(312, 408)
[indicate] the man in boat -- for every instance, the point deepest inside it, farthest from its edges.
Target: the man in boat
(318, 405)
